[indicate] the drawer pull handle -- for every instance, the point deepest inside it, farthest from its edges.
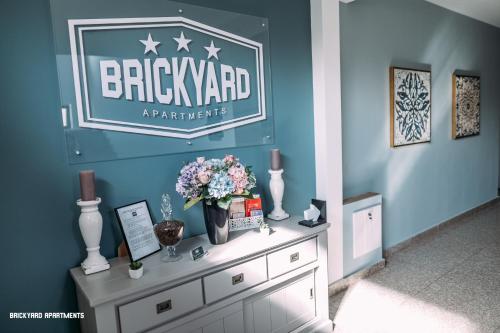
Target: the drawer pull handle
(164, 306)
(294, 257)
(238, 278)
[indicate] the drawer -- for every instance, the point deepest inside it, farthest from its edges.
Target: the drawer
(235, 279)
(290, 258)
(161, 307)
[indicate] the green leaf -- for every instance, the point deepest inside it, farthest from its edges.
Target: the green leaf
(190, 203)
(225, 202)
(246, 194)
(135, 265)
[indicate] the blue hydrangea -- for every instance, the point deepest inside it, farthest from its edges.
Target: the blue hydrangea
(215, 164)
(220, 186)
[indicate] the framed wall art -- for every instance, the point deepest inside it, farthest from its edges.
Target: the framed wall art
(466, 106)
(410, 98)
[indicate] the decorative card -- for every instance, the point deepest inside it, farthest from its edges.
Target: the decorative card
(466, 106)
(410, 106)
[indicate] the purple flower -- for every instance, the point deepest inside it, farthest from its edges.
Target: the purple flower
(187, 184)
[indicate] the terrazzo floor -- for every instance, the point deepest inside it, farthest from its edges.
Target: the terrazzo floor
(447, 282)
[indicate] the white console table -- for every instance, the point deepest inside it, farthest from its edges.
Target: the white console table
(253, 284)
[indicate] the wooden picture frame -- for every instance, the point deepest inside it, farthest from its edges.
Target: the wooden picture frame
(408, 134)
(461, 127)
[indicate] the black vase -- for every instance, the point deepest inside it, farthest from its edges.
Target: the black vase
(216, 222)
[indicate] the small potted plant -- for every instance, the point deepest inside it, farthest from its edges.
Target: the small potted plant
(265, 229)
(135, 270)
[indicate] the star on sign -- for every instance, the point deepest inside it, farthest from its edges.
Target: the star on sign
(182, 42)
(212, 50)
(150, 45)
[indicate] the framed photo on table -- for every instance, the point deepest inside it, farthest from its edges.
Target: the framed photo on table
(137, 230)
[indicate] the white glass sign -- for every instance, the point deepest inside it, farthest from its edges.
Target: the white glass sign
(153, 77)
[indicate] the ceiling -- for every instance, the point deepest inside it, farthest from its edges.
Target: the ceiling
(487, 11)
(483, 10)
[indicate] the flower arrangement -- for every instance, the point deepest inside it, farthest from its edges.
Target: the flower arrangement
(215, 180)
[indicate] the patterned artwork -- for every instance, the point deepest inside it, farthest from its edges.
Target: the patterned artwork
(410, 106)
(466, 102)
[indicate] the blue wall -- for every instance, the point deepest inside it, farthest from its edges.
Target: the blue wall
(40, 239)
(425, 184)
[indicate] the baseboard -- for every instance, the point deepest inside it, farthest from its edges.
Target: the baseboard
(439, 227)
(348, 281)
(318, 325)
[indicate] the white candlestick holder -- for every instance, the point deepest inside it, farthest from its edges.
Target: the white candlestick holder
(90, 223)
(277, 188)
